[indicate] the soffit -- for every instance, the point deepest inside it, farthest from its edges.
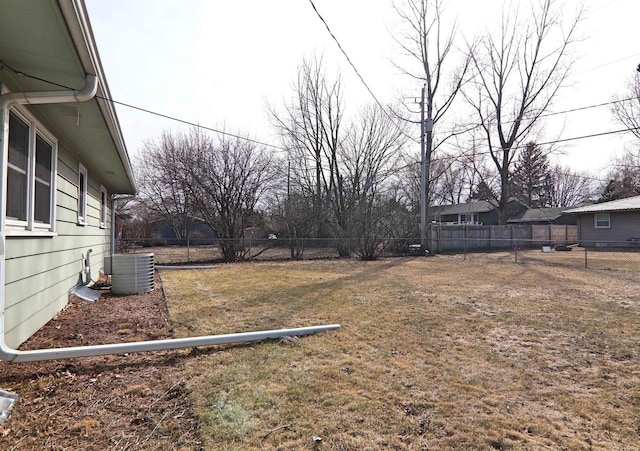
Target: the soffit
(34, 39)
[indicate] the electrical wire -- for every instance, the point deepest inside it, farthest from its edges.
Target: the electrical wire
(144, 110)
(452, 132)
(355, 69)
(395, 171)
(353, 66)
(173, 118)
(204, 127)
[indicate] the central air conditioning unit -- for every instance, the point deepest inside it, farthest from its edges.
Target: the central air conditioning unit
(132, 273)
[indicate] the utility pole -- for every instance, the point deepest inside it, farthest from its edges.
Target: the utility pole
(426, 142)
(423, 179)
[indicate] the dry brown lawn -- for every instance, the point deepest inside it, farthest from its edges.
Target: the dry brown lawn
(434, 353)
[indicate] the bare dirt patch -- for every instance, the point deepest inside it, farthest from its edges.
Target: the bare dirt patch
(136, 401)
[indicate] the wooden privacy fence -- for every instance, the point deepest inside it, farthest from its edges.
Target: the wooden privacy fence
(455, 238)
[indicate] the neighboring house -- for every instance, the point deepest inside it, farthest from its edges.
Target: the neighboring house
(615, 223)
(542, 216)
(471, 213)
(163, 233)
(63, 157)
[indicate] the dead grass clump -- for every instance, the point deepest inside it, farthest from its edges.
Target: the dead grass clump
(142, 390)
(85, 426)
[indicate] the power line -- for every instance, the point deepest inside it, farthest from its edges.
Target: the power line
(462, 155)
(471, 127)
(353, 66)
(355, 69)
(173, 118)
(165, 116)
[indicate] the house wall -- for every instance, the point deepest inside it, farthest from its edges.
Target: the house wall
(485, 218)
(41, 270)
(624, 225)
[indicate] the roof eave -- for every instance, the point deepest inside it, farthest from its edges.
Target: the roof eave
(76, 18)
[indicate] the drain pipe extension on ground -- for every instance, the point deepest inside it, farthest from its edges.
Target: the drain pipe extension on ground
(14, 355)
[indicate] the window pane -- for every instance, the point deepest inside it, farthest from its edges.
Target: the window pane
(602, 221)
(82, 186)
(43, 160)
(42, 200)
(18, 143)
(16, 195)
(103, 207)
(17, 169)
(43, 203)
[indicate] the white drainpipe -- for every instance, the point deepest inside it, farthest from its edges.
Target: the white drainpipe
(14, 355)
(112, 244)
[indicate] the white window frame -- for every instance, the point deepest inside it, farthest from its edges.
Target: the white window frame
(104, 197)
(83, 192)
(463, 218)
(602, 221)
(36, 130)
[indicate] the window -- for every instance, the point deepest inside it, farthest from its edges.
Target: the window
(103, 207)
(43, 181)
(602, 221)
(82, 195)
(31, 167)
(468, 218)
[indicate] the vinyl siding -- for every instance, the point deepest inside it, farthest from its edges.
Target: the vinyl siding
(623, 225)
(41, 270)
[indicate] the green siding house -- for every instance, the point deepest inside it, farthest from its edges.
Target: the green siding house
(63, 157)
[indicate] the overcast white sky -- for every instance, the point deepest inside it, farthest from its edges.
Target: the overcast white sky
(217, 63)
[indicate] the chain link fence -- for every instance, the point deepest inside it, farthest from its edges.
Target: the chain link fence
(609, 255)
(606, 255)
(270, 248)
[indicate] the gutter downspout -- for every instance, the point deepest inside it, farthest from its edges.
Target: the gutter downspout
(87, 267)
(14, 355)
(112, 233)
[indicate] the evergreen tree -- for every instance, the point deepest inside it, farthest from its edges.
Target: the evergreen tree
(531, 182)
(483, 191)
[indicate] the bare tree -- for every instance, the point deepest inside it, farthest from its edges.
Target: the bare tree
(428, 45)
(624, 177)
(570, 188)
(454, 177)
(290, 216)
(517, 74)
(310, 128)
(627, 110)
(162, 188)
(219, 181)
(226, 179)
(368, 158)
(132, 223)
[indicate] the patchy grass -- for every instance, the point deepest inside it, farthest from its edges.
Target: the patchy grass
(434, 353)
